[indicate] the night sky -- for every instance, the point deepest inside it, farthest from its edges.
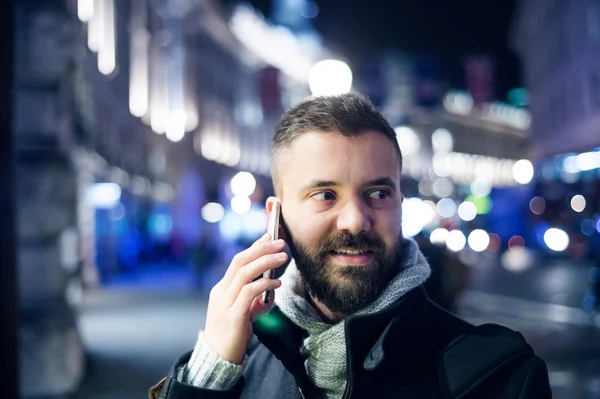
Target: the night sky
(444, 29)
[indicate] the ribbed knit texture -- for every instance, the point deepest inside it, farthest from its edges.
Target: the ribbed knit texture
(206, 369)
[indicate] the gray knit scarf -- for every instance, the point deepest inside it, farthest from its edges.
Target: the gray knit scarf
(325, 347)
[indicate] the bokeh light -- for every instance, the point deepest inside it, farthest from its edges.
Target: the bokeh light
(578, 203)
(213, 212)
(439, 236)
(243, 184)
(517, 260)
(537, 205)
(467, 211)
(523, 171)
(240, 204)
(456, 241)
(416, 214)
(481, 188)
(442, 141)
(483, 204)
(556, 239)
(516, 242)
(588, 227)
(408, 140)
(443, 187)
(446, 207)
(330, 77)
(495, 242)
(479, 240)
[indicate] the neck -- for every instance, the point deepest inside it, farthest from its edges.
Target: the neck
(324, 312)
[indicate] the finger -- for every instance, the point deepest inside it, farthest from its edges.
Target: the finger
(251, 271)
(259, 308)
(261, 247)
(249, 292)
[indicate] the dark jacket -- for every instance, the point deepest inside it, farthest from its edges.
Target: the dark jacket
(412, 350)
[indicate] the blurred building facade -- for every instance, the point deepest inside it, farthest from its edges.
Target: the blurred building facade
(465, 169)
(558, 42)
(132, 116)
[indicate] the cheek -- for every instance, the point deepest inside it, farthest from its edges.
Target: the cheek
(308, 229)
(389, 229)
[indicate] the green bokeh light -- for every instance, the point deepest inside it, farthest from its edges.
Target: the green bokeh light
(269, 322)
(483, 204)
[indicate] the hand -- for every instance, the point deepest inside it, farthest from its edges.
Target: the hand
(236, 301)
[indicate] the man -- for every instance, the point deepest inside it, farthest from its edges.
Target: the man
(350, 318)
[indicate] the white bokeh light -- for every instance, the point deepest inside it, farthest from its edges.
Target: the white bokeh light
(241, 204)
(213, 212)
(446, 208)
(556, 239)
(330, 77)
(578, 203)
(523, 171)
(85, 10)
(456, 241)
(484, 172)
(479, 240)
(176, 125)
(467, 211)
(481, 188)
(104, 195)
(442, 187)
(408, 140)
(243, 184)
(416, 214)
(442, 141)
(588, 161)
(570, 164)
(439, 236)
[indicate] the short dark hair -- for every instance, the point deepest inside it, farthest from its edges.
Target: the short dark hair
(349, 114)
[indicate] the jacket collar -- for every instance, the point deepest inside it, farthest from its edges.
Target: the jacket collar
(401, 331)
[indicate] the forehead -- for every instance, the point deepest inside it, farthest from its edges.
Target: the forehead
(335, 157)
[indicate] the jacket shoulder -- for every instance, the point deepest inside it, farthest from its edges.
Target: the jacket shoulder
(494, 357)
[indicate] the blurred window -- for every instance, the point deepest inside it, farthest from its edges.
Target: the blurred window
(593, 22)
(594, 85)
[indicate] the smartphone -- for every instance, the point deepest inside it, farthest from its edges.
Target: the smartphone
(273, 230)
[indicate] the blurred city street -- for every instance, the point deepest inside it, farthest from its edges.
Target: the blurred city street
(144, 144)
(135, 328)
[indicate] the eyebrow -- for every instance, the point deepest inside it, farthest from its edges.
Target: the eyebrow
(381, 181)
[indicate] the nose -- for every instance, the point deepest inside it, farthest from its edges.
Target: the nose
(354, 217)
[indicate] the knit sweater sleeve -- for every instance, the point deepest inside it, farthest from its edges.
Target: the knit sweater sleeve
(206, 369)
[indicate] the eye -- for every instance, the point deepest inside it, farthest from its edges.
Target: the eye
(323, 196)
(379, 194)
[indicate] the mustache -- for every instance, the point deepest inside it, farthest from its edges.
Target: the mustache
(361, 242)
(344, 239)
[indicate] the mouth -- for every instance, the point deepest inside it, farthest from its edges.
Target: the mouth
(352, 256)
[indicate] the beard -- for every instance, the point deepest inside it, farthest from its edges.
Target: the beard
(345, 289)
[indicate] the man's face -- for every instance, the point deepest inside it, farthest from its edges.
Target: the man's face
(341, 213)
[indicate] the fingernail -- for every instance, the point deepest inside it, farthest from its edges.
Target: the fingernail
(279, 242)
(281, 256)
